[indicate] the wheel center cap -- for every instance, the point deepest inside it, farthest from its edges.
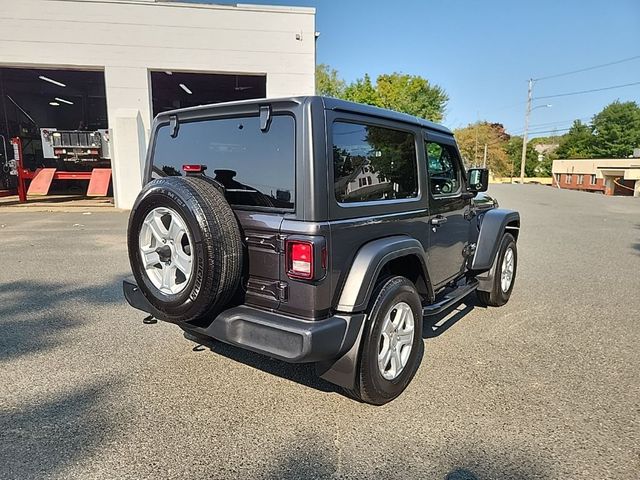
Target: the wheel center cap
(164, 253)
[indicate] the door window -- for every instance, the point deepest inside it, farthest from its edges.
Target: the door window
(444, 169)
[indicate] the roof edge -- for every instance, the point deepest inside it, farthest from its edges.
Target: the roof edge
(245, 7)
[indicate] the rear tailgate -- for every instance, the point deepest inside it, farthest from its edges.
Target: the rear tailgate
(263, 248)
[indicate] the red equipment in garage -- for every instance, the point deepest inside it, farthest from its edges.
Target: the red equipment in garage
(99, 178)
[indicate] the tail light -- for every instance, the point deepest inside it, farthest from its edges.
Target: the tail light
(299, 259)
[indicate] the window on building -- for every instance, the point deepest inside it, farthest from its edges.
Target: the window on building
(593, 180)
(387, 156)
(444, 172)
(568, 178)
(580, 179)
(557, 175)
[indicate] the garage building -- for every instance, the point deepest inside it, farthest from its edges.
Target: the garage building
(111, 65)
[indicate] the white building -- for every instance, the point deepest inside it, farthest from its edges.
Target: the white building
(147, 56)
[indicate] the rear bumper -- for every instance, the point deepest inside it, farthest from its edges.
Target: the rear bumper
(286, 338)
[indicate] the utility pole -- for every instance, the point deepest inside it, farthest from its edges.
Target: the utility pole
(526, 129)
(484, 160)
(475, 152)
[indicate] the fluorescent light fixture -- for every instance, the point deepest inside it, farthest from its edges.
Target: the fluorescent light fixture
(185, 88)
(54, 104)
(64, 101)
(47, 79)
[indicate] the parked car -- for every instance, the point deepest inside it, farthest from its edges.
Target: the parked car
(312, 229)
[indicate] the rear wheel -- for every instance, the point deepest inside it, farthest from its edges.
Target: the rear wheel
(185, 248)
(505, 274)
(392, 345)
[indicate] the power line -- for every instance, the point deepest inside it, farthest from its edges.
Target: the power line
(551, 131)
(587, 91)
(559, 122)
(587, 68)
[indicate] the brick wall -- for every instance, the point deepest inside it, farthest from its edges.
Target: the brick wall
(571, 182)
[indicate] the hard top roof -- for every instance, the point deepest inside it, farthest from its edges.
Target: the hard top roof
(329, 103)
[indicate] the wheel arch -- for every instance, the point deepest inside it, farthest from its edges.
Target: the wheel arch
(395, 255)
(494, 225)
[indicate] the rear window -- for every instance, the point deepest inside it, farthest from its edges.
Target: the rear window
(257, 168)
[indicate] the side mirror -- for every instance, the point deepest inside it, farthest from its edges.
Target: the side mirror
(477, 180)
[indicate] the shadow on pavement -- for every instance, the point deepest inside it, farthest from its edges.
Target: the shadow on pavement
(33, 314)
(38, 440)
(438, 324)
(636, 246)
(310, 458)
(302, 373)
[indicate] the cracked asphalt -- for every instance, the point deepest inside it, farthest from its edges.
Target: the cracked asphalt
(546, 387)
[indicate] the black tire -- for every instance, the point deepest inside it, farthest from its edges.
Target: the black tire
(371, 387)
(497, 297)
(217, 253)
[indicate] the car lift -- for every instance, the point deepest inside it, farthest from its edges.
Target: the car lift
(41, 179)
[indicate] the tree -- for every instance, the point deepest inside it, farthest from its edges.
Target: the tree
(616, 130)
(472, 139)
(577, 142)
(411, 94)
(362, 91)
(532, 167)
(328, 82)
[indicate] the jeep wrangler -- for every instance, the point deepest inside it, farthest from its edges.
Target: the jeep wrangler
(312, 229)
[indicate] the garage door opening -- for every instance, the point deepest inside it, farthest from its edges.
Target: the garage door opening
(59, 118)
(171, 90)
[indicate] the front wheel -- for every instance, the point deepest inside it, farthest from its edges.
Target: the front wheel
(504, 276)
(392, 345)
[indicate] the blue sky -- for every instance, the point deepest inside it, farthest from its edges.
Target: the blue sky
(483, 52)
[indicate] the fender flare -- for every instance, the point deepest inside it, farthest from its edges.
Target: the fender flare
(494, 223)
(367, 265)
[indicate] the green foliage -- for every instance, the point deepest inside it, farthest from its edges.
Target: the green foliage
(577, 142)
(328, 83)
(471, 140)
(613, 133)
(532, 167)
(616, 130)
(362, 91)
(410, 94)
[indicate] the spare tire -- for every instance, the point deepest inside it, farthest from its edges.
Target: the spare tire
(185, 248)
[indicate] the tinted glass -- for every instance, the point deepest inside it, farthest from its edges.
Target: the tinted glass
(256, 168)
(444, 172)
(373, 163)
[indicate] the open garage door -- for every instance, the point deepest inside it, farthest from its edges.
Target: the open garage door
(171, 90)
(58, 120)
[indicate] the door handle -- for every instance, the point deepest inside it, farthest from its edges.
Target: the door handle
(439, 220)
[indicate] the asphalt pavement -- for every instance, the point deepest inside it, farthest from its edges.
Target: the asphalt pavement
(546, 387)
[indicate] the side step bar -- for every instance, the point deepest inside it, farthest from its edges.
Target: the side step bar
(449, 299)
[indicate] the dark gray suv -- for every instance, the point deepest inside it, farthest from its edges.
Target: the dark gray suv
(311, 229)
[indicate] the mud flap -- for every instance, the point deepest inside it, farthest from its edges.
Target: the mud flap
(342, 372)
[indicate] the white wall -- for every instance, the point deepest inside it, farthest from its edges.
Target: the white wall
(127, 38)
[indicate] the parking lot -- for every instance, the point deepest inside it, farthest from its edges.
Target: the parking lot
(545, 387)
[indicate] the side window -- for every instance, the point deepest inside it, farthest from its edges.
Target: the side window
(373, 163)
(444, 170)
